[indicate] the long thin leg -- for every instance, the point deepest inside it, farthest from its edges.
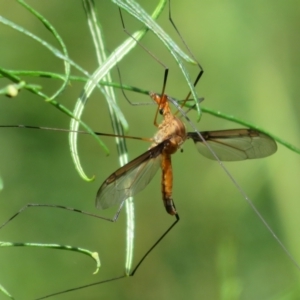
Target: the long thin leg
(151, 54)
(78, 131)
(122, 276)
(31, 205)
(155, 244)
(190, 52)
(166, 72)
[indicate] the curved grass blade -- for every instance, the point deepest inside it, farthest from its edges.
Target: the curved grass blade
(93, 255)
(52, 30)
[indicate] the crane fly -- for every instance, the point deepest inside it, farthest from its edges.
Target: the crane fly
(133, 177)
(129, 180)
(227, 145)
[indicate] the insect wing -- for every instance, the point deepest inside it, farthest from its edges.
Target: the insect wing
(129, 179)
(235, 144)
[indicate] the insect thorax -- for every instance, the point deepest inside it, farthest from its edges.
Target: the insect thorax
(172, 129)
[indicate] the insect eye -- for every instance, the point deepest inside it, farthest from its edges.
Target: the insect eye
(161, 111)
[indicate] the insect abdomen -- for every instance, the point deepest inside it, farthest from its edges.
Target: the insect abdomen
(167, 183)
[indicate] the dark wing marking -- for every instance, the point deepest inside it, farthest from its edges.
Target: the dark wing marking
(129, 179)
(235, 144)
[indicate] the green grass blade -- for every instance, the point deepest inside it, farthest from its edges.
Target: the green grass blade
(93, 255)
(56, 35)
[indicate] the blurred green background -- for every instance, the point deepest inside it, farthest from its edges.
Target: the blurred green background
(219, 250)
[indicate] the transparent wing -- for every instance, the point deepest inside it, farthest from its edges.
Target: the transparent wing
(235, 144)
(129, 179)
